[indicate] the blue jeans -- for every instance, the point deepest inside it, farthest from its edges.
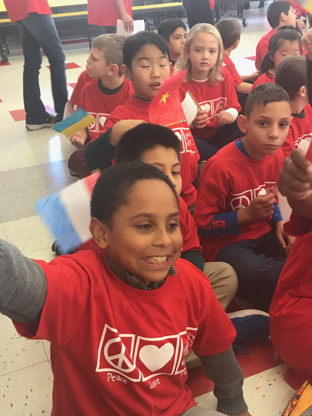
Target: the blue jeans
(39, 31)
(258, 264)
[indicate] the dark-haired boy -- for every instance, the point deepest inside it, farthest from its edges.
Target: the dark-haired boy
(146, 64)
(159, 146)
(294, 68)
(280, 13)
(238, 218)
(230, 31)
(174, 32)
(136, 273)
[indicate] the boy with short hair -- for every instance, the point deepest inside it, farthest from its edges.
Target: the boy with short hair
(174, 32)
(294, 68)
(146, 64)
(136, 273)
(238, 218)
(159, 146)
(99, 97)
(280, 13)
(230, 31)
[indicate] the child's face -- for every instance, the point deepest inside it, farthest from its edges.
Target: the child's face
(96, 64)
(266, 128)
(203, 54)
(167, 161)
(149, 68)
(290, 18)
(176, 43)
(288, 48)
(145, 237)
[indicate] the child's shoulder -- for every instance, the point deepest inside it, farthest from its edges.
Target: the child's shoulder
(191, 278)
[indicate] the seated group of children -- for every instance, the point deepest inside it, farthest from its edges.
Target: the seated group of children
(123, 313)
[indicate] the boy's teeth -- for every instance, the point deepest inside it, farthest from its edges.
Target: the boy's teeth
(156, 259)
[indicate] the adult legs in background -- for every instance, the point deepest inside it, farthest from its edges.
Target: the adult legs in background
(201, 411)
(258, 264)
(198, 11)
(39, 31)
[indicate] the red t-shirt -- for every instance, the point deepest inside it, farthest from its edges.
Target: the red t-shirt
(262, 48)
(117, 350)
(100, 105)
(228, 63)
(228, 182)
(106, 13)
(300, 131)
(188, 229)
(291, 307)
(82, 80)
(137, 109)
(221, 97)
(19, 9)
(264, 78)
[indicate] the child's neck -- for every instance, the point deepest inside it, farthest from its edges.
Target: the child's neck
(297, 105)
(112, 82)
(227, 52)
(199, 75)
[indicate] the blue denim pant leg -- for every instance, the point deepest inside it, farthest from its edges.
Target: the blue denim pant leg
(39, 31)
(257, 272)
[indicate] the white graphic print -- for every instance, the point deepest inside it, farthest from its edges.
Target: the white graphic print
(100, 120)
(304, 141)
(213, 107)
(243, 199)
(138, 358)
(186, 139)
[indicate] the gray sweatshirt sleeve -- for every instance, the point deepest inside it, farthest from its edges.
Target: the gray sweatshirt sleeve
(23, 285)
(224, 370)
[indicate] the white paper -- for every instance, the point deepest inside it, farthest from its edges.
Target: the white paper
(190, 108)
(139, 26)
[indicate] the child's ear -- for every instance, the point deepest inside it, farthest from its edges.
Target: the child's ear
(302, 91)
(99, 232)
(126, 72)
(283, 17)
(236, 44)
(113, 70)
(242, 123)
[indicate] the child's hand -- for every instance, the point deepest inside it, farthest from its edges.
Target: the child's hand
(200, 121)
(254, 76)
(307, 41)
(295, 180)
(260, 208)
(128, 22)
(300, 24)
(224, 118)
(285, 240)
(79, 138)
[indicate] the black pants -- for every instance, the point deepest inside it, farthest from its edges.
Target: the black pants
(198, 11)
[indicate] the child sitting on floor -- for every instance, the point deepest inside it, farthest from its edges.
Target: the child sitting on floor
(300, 131)
(280, 13)
(230, 30)
(212, 87)
(83, 78)
(146, 64)
(285, 42)
(291, 308)
(101, 96)
(174, 32)
(123, 318)
(238, 218)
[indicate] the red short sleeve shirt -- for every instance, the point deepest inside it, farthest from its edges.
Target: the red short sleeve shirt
(19, 9)
(106, 13)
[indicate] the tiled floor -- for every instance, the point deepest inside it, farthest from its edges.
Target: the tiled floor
(33, 164)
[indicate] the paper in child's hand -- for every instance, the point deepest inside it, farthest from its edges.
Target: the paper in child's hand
(77, 121)
(190, 108)
(139, 26)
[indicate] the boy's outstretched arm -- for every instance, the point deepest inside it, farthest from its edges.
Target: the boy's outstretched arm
(23, 285)
(295, 182)
(224, 370)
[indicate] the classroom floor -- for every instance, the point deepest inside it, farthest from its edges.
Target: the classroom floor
(34, 164)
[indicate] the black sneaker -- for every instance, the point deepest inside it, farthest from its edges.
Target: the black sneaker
(50, 121)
